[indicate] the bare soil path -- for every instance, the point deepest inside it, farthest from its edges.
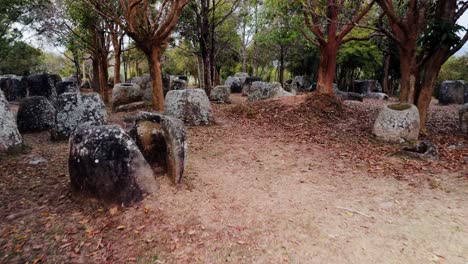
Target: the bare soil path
(252, 194)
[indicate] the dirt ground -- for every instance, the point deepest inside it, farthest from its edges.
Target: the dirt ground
(255, 191)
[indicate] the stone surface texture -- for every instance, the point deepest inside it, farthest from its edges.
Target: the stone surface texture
(192, 106)
(10, 137)
(453, 92)
(397, 126)
(264, 90)
(463, 118)
(106, 164)
(125, 93)
(221, 94)
(35, 114)
(163, 141)
(74, 109)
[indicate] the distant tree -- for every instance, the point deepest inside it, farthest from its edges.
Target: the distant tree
(330, 22)
(358, 59)
(426, 34)
(200, 26)
(150, 25)
(22, 59)
(438, 42)
(406, 22)
(455, 68)
(14, 16)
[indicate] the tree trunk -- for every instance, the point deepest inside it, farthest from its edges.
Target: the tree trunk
(327, 68)
(386, 73)
(281, 69)
(103, 87)
(95, 80)
(201, 75)
(117, 57)
(207, 75)
(407, 82)
(244, 59)
(154, 62)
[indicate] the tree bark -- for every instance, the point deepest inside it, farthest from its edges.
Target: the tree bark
(154, 62)
(103, 76)
(407, 68)
(386, 73)
(327, 68)
(281, 69)
(95, 80)
(117, 57)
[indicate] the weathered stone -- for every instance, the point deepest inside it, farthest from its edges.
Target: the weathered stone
(43, 85)
(55, 78)
(74, 109)
(242, 77)
(35, 114)
(10, 137)
(366, 86)
(67, 87)
(130, 107)
(143, 81)
(463, 113)
(301, 84)
(349, 96)
(179, 84)
(248, 84)
(397, 123)
(192, 106)
(453, 92)
(14, 87)
(264, 90)
(287, 85)
(163, 141)
(375, 95)
(221, 94)
(167, 82)
(423, 150)
(234, 83)
(105, 163)
(125, 93)
(72, 78)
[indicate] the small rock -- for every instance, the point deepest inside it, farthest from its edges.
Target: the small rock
(37, 161)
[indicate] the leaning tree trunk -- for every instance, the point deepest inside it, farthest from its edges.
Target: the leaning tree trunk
(154, 62)
(327, 68)
(430, 72)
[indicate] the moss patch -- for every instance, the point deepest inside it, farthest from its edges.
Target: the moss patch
(399, 107)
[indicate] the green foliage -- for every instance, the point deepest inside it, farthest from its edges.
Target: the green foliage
(441, 33)
(176, 61)
(22, 59)
(456, 68)
(54, 63)
(364, 55)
